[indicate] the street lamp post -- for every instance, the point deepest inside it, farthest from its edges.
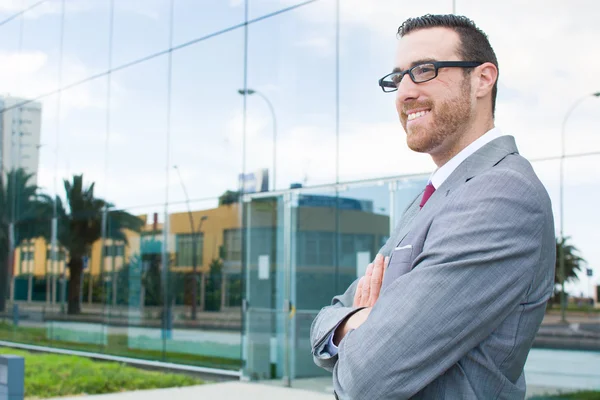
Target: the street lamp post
(251, 92)
(194, 247)
(561, 256)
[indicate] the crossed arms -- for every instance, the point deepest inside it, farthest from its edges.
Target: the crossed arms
(476, 267)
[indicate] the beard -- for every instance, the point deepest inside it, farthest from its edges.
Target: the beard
(449, 118)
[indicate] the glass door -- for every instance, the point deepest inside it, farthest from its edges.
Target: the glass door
(266, 305)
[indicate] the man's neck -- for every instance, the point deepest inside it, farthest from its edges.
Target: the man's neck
(473, 133)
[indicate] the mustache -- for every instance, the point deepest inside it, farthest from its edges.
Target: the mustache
(411, 105)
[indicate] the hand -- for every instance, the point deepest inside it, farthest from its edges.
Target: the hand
(366, 295)
(369, 286)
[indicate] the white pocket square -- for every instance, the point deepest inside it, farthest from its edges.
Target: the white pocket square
(408, 246)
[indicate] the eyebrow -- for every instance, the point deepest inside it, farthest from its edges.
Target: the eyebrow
(414, 63)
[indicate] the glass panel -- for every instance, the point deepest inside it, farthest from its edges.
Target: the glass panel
(9, 39)
(24, 320)
(406, 191)
(206, 140)
(135, 279)
(28, 59)
(206, 163)
(131, 274)
(195, 19)
(137, 152)
(266, 327)
(82, 136)
(86, 40)
(38, 57)
(205, 323)
(292, 73)
(141, 28)
(71, 322)
(260, 8)
(335, 237)
(372, 142)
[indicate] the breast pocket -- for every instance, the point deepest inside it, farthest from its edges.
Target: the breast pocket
(400, 262)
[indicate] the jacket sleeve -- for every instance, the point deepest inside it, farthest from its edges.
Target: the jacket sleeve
(325, 323)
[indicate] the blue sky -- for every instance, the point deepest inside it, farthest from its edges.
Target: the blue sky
(546, 51)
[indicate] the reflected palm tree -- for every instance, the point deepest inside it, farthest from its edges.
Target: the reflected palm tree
(28, 211)
(80, 226)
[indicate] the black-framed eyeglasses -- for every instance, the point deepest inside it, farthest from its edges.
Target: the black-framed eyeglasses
(421, 73)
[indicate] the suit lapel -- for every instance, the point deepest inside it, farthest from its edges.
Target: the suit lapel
(406, 218)
(483, 159)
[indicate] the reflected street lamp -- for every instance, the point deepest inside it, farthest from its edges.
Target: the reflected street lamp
(561, 256)
(194, 247)
(251, 92)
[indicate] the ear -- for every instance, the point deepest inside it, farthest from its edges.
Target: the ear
(486, 75)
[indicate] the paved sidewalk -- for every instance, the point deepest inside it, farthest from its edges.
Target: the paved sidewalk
(221, 391)
(245, 391)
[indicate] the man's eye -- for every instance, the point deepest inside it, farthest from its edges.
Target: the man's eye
(423, 70)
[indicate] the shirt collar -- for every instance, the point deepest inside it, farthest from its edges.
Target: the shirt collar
(441, 174)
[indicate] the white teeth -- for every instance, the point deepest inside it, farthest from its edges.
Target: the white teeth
(412, 116)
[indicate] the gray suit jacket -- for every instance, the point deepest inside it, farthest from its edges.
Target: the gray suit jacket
(463, 295)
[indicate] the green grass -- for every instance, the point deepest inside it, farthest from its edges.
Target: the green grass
(585, 395)
(50, 375)
(116, 345)
(575, 308)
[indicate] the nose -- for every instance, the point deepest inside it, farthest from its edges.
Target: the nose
(407, 91)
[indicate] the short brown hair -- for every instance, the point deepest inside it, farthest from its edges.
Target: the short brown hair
(474, 43)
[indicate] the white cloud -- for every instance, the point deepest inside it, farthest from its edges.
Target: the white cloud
(255, 124)
(12, 5)
(322, 46)
(235, 3)
(13, 65)
(150, 9)
(30, 74)
(51, 7)
(378, 149)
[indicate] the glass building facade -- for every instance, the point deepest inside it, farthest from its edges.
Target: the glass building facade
(248, 168)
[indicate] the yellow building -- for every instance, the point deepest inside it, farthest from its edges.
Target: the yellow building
(325, 237)
(34, 257)
(218, 229)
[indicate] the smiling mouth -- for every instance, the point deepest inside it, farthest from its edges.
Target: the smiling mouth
(415, 115)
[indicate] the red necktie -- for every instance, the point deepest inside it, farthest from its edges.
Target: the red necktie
(429, 189)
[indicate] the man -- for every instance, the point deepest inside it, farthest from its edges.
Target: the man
(451, 305)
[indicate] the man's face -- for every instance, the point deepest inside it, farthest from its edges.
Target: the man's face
(434, 114)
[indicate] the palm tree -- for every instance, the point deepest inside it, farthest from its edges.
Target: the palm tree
(573, 261)
(81, 226)
(29, 213)
(573, 264)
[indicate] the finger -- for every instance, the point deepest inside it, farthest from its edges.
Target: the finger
(358, 293)
(366, 285)
(386, 262)
(369, 270)
(376, 279)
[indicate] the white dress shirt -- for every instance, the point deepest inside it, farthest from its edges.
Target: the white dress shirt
(436, 179)
(442, 173)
